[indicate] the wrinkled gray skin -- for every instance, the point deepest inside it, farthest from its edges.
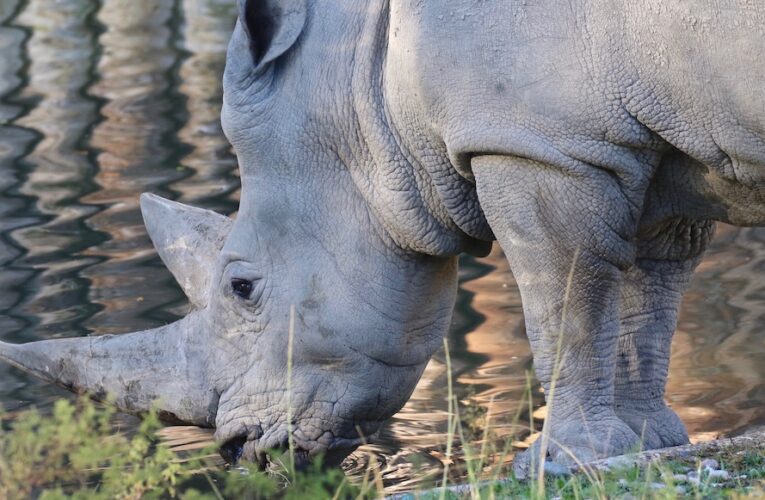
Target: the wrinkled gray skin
(378, 140)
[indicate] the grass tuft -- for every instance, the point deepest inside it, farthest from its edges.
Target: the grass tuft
(74, 452)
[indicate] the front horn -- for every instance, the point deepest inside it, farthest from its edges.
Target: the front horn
(160, 368)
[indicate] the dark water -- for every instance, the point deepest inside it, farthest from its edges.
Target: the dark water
(102, 101)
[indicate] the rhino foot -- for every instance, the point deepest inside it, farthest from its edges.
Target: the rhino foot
(660, 428)
(576, 443)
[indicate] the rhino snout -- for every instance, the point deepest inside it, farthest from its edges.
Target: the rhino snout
(257, 447)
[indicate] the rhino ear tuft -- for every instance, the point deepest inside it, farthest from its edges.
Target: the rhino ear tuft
(188, 240)
(272, 26)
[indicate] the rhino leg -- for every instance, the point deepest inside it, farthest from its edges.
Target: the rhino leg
(568, 234)
(650, 297)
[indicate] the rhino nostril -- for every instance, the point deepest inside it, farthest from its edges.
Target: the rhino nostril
(231, 451)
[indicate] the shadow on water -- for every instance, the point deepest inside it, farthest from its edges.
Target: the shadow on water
(102, 101)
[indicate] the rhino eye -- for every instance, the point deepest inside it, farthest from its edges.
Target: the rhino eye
(241, 287)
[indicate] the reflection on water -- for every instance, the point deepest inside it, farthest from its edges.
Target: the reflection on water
(100, 102)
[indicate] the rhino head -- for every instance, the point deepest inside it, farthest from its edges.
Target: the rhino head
(310, 323)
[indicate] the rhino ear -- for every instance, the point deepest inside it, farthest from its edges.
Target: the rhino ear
(188, 240)
(272, 26)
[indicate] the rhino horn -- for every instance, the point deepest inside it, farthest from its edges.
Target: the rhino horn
(157, 368)
(188, 240)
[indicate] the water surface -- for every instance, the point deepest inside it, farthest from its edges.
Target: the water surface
(102, 101)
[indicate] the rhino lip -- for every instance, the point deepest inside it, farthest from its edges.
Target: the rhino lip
(239, 448)
(242, 447)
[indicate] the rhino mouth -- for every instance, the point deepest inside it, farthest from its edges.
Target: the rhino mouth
(243, 447)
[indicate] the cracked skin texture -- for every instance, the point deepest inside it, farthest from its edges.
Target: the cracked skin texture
(377, 140)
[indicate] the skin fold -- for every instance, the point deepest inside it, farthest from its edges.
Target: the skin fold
(377, 140)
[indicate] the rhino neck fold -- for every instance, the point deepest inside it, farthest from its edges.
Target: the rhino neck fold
(412, 194)
(137, 371)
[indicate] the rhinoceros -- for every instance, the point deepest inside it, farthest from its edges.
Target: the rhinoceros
(596, 141)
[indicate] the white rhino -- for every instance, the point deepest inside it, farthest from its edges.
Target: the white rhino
(597, 141)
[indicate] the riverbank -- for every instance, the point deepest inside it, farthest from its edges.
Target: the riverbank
(77, 450)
